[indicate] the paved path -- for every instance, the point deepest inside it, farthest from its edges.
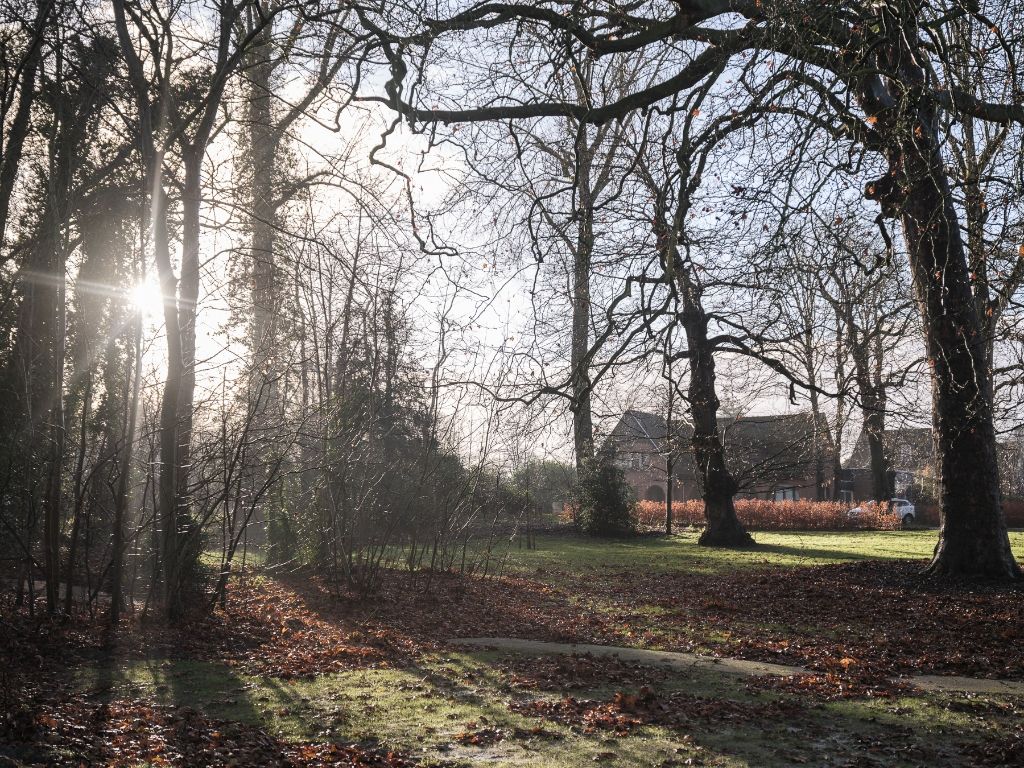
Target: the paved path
(740, 667)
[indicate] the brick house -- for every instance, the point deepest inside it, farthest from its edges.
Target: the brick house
(911, 453)
(771, 457)
(915, 475)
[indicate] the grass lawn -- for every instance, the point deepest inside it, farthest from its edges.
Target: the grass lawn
(841, 604)
(681, 553)
(454, 709)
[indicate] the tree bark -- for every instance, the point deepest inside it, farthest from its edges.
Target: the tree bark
(263, 147)
(167, 484)
(873, 409)
(582, 420)
(52, 243)
(18, 130)
(134, 379)
(719, 487)
(973, 540)
(669, 446)
(179, 393)
(79, 482)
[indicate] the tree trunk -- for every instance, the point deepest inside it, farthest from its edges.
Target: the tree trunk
(973, 540)
(52, 243)
(18, 130)
(263, 146)
(582, 420)
(76, 517)
(719, 487)
(134, 379)
(821, 435)
(874, 430)
(167, 489)
(180, 540)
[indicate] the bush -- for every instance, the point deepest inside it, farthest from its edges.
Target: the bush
(603, 502)
(765, 515)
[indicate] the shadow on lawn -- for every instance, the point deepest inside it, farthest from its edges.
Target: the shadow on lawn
(805, 553)
(212, 688)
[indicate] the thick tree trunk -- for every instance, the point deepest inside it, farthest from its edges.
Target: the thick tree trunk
(719, 487)
(51, 390)
(263, 147)
(264, 392)
(670, 428)
(134, 379)
(973, 540)
(167, 484)
(79, 482)
(179, 392)
(55, 439)
(821, 435)
(874, 430)
(873, 403)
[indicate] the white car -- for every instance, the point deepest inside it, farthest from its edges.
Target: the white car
(904, 509)
(901, 507)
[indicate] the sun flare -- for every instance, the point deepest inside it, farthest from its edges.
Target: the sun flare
(145, 297)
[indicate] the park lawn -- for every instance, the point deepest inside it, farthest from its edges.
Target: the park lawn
(457, 709)
(801, 597)
(300, 669)
(466, 708)
(574, 554)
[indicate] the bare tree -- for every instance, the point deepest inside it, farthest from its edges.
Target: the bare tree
(873, 76)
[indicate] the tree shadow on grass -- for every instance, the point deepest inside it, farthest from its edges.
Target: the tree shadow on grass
(805, 553)
(214, 689)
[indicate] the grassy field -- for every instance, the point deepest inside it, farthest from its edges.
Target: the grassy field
(681, 553)
(448, 706)
(436, 709)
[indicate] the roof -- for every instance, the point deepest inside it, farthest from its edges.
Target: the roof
(639, 425)
(909, 448)
(758, 448)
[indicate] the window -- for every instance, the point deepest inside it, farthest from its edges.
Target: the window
(846, 497)
(786, 494)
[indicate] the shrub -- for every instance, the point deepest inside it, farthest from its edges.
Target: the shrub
(603, 503)
(765, 515)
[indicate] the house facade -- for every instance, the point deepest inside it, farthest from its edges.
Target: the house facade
(911, 454)
(771, 457)
(915, 473)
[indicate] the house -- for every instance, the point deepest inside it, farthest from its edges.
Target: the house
(771, 457)
(911, 453)
(915, 471)
(639, 447)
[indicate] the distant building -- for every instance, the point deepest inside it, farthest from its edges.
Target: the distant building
(771, 457)
(911, 453)
(915, 470)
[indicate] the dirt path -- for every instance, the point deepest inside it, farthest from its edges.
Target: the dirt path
(739, 667)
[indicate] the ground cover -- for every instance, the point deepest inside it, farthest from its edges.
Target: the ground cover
(288, 674)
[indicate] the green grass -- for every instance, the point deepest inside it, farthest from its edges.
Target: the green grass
(420, 710)
(680, 552)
